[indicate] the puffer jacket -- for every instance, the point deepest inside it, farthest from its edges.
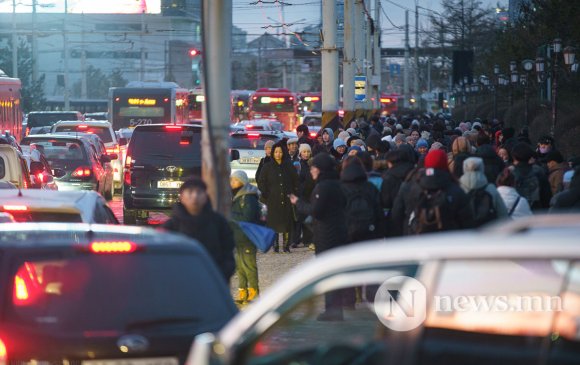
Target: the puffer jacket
(510, 196)
(245, 208)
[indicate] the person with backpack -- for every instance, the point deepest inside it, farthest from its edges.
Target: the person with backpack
(531, 182)
(517, 206)
(363, 210)
(484, 201)
(430, 200)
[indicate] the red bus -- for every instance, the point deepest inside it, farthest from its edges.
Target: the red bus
(10, 106)
(310, 102)
(195, 98)
(281, 104)
(389, 103)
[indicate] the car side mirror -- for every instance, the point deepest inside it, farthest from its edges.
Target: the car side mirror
(113, 156)
(36, 168)
(105, 159)
(234, 155)
(58, 173)
(123, 141)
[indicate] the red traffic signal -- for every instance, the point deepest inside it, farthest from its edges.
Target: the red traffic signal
(194, 52)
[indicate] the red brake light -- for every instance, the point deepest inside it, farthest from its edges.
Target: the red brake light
(40, 177)
(173, 127)
(83, 126)
(113, 150)
(253, 135)
(82, 171)
(3, 353)
(313, 134)
(113, 247)
(315, 98)
(166, 100)
(385, 100)
(249, 126)
(19, 208)
(26, 285)
(117, 99)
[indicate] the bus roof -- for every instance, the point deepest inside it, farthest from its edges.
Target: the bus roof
(273, 90)
(153, 84)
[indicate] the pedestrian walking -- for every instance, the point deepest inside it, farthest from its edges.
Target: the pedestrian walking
(517, 206)
(531, 181)
(568, 200)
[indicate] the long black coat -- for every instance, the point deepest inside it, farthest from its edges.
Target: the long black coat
(492, 163)
(276, 182)
(327, 207)
(210, 229)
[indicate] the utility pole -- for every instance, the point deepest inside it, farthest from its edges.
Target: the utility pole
(216, 53)
(377, 56)
(416, 83)
(348, 64)
(406, 74)
(14, 42)
(142, 63)
(34, 44)
(65, 64)
(359, 50)
(329, 66)
(83, 61)
(368, 61)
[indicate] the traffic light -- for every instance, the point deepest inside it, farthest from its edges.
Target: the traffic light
(194, 52)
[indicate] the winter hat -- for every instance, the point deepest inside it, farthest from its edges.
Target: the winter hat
(436, 146)
(436, 159)
(522, 152)
(354, 148)
(304, 147)
(352, 131)
(400, 138)
(476, 125)
(399, 127)
(415, 122)
(473, 174)
(387, 131)
(338, 143)
(269, 143)
(240, 176)
(422, 143)
(292, 140)
(344, 135)
(324, 162)
(358, 142)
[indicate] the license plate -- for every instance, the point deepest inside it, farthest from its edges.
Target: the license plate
(250, 160)
(166, 184)
(143, 361)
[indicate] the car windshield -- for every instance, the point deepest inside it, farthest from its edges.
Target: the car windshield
(103, 132)
(48, 119)
(183, 144)
(66, 294)
(250, 141)
(57, 150)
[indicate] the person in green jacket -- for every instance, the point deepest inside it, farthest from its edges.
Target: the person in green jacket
(245, 208)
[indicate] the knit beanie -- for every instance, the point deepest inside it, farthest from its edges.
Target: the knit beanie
(241, 177)
(436, 159)
(338, 143)
(304, 147)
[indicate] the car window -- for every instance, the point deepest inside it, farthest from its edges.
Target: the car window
(251, 141)
(336, 326)
(500, 310)
(104, 133)
(64, 295)
(48, 119)
(60, 149)
(31, 216)
(566, 334)
(2, 168)
(182, 144)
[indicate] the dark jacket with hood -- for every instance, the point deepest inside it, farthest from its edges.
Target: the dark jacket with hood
(245, 208)
(568, 200)
(493, 165)
(354, 182)
(456, 214)
(522, 170)
(327, 207)
(324, 147)
(211, 230)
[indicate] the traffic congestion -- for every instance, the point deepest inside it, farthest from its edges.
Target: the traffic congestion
(393, 228)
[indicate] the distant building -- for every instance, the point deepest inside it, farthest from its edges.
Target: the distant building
(239, 38)
(266, 41)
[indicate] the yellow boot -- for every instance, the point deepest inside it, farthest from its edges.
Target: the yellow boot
(252, 294)
(242, 296)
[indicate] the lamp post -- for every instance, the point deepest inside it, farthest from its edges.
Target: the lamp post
(496, 72)
(556, 49)
(514, 78)
(527, 65)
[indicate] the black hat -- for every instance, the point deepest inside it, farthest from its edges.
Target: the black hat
(522, 152)
(324, 162)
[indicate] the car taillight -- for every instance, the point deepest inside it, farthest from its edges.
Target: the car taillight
(173, 127)
(18, 208)
(113, 247)
(82, 171)
(3, 353)
(40, 177)
(313, 134)
(26, 285)
(113, 150)
(253, 135)
(83, 127)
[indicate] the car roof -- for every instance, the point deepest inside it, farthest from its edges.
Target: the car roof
(143, 126)
(55, 112)
(92, 123)
(25, 235)
(497, 242)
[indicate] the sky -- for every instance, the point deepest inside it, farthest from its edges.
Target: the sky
(253, 15)
(83, 6)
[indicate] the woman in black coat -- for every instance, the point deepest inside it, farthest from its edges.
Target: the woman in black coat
(278, 179)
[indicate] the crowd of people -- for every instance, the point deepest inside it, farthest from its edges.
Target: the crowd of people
(386, 178)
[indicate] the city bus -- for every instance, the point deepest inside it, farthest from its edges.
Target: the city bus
(239, 107)
(147, 103)
(195, 99)
(310, 102)
(281, 104)
(10, 106)
(389, 103)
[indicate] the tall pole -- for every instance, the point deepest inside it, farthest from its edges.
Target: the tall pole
(368, 62)
(66, 56)
(84, 61)
(359, 50)
(554, 94)
(14, 42)
(527, 102)
(142, 50)
(34, 44)
(329, 66)
(406, 74)
(377, 55)
(348, 63)
(416, 80)
(216, 55)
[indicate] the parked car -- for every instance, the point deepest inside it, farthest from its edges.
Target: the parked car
(250, 145)
(416, 303)
(40, 122)
(101, 294)
(74, 164)
(159, 159)
(57, 206)
(13, 167)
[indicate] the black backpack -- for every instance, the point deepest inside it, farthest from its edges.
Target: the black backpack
(482, 207)
(429, 213)
(528, 186)
(360, 214)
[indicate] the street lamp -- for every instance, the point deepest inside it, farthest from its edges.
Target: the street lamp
(496, 72)
(528, 66)
(514, 78)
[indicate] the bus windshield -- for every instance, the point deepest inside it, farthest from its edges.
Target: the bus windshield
(273, 104)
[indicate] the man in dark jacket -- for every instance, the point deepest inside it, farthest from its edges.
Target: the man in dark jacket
(492, 163)
(568, 200)
(303, 134)
(531, 181)
(327, 208)
(193, 216)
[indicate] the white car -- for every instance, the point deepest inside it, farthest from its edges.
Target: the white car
(506, 295)
(250, 144)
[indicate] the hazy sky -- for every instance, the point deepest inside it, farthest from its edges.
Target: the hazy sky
(253, 17)
(86, 6)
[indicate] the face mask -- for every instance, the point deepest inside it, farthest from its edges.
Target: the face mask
(544, 150)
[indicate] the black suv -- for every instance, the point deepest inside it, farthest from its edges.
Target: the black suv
(95, 294)
(159, 158)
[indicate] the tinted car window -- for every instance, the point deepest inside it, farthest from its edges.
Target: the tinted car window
(103, 132)
(161, 142)
(48, 119)
(245, 141)
(70, 292)
(2, 168)
(47, 217)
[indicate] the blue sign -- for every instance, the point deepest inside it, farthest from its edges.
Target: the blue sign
(360, 88)
(394, 69)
